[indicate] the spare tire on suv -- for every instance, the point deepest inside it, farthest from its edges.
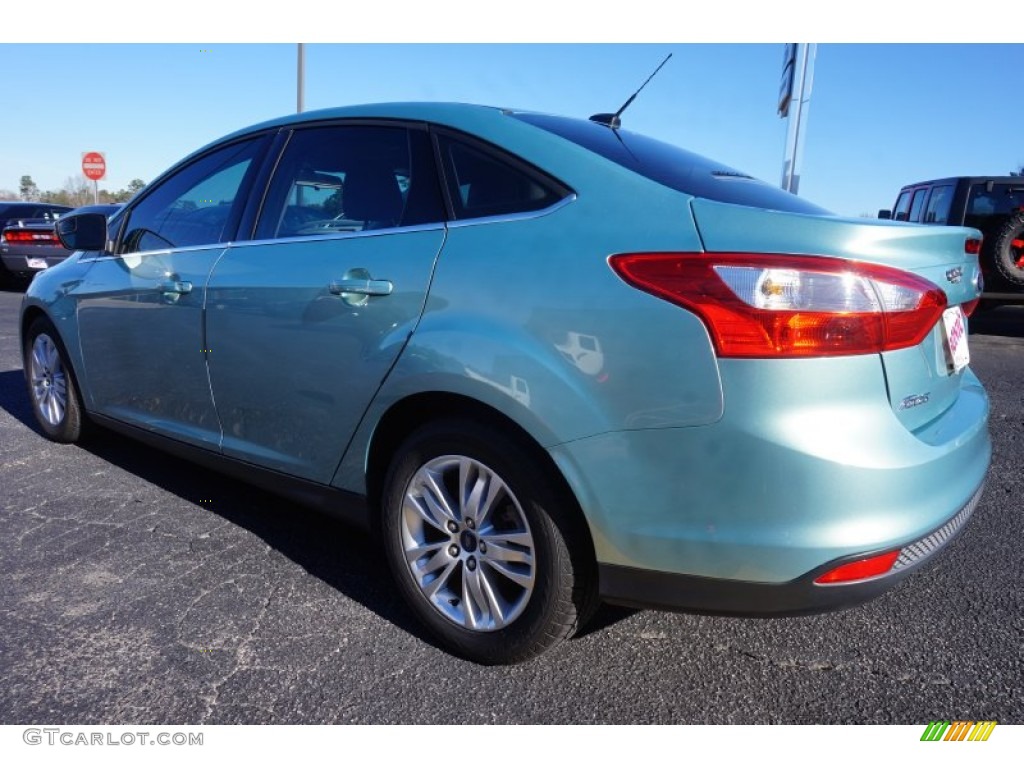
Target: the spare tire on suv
(1006, 249)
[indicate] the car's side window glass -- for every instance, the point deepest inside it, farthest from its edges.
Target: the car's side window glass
(351, 178)
(483, 182)
(939, 203)
(899, 213)
(917, 204)
(193, 206)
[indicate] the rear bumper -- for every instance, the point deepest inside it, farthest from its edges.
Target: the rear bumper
(653, 589)
(17, 262)
(809, 466)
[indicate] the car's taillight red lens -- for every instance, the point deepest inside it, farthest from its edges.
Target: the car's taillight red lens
(26, 236)
(767, 305)
(972, 246)
(860, 569)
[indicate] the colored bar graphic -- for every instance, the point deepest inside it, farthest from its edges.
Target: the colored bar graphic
(958, 730)
(982, 730)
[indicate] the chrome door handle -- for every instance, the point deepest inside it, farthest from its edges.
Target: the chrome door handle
(361, 287)
(175, 286)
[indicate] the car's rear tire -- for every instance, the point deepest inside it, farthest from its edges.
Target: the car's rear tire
(51, 383)
(1007, 249)
(484, 548)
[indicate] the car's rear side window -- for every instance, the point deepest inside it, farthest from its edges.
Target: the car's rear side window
(669, 165)
(484, 181)
(939, 204)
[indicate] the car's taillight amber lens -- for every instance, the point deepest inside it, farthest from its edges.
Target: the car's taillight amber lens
(767, 305)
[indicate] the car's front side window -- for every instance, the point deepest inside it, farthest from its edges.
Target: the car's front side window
(899, 212)
(194, 206)
(351, 178)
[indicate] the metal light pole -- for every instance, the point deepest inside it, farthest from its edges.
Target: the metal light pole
(301, 87)
(795, 103)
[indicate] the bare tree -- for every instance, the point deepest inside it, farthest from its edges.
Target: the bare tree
(78, 191)
(28, 189)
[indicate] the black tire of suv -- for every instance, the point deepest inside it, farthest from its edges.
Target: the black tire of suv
(1003, 254)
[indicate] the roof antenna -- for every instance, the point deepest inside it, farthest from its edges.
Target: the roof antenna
(613, 121)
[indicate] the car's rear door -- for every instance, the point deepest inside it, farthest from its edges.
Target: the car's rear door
(141, 311)
(305, 320)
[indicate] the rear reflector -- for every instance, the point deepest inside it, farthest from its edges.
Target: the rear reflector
(861, 569)
(771, 305)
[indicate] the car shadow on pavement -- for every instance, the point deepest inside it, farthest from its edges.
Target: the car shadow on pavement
(338, 554)
(341, 555)
(1000, 321)
(14, 398)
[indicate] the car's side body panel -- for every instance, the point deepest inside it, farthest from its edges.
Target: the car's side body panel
(559, 344)
(293, 365)
(142, 342)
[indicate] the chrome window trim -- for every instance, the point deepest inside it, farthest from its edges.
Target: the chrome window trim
(160, 251)
(521, 216)
(509, 217)
(437, 225)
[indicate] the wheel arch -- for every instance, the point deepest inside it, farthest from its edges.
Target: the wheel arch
(415, 411)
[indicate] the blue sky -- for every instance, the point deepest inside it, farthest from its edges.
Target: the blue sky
(881, 115)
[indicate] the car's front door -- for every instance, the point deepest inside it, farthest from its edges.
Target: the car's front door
(141, 317)
(305, 321)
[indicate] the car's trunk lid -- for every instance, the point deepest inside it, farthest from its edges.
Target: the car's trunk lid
(923, 381)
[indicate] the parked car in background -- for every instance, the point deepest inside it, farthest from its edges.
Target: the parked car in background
(31, 246)
(15, 213)
(992, 204)
(12, 211)
(546, 360)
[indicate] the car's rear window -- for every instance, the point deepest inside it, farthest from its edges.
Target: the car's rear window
(669, 165)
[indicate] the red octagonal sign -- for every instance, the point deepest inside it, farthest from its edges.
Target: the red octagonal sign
(94, 165)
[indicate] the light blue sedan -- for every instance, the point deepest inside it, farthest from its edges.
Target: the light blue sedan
(548, 361)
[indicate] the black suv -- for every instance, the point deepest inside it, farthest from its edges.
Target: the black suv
(992, 204)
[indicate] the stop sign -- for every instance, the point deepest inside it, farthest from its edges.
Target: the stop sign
(94, 165)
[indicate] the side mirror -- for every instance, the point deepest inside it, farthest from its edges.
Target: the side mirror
(83, 232)
(885, 214)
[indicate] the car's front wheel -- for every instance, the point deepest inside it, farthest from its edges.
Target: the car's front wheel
(51, 386)
(482, 544)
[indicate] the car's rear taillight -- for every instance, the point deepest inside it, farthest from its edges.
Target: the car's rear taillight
(765, 305)
(28, 236)
(972, 246)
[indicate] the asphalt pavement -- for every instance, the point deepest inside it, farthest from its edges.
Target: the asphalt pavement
(138, 588)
